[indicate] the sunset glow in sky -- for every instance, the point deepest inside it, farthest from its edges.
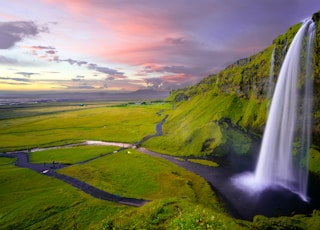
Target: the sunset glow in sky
(133, 44)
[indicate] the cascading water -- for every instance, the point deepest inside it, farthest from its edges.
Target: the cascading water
(283, 158)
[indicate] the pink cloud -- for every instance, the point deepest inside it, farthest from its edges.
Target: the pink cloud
(124, 29)
(173, 42)
(178, 78)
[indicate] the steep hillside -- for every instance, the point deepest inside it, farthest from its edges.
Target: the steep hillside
(226, 112)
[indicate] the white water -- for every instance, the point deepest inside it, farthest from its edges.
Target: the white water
(283, 159)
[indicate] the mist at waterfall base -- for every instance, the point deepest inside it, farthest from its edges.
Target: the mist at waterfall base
(284, 155)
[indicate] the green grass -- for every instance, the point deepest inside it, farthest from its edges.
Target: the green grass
(314, 163)
(173, 213)
(204, 162)
(7, 160)
(122, 124)
(180, 199)
(133, 174)
(28, 110)
(194, 127)
(29, 200)
(284, 222)
(70, 155)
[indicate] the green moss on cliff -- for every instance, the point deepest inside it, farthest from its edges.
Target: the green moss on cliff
(237, 93)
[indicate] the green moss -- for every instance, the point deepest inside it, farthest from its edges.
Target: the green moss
(314, 163)
(6, 161)
(204, 162)
(284, 222)
(173, 214)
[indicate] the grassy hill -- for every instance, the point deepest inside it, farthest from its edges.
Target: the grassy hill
(226, 112)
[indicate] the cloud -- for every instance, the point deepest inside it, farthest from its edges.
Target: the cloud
(40, 47)
(169, 82)
(115, 77)
(26, 74)
(78, 78)
(14, 32)
(7, 61)
(15, 83)
(163, 44)
(175, 41)
(84, 86)
(154, 68)
(72, 61)
(49, 53)
(15, 79)
(105, 70)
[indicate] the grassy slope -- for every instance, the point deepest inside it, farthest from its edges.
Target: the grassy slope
(193, 127)
(237, 93)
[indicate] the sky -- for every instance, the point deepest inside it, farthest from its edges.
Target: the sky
(127, 45)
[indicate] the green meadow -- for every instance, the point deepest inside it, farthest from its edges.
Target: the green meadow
(127, 124)
(130, 173)
(29, 200)
(70, 155)
(178, 199)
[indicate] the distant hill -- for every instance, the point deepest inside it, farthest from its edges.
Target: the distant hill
(16, 97)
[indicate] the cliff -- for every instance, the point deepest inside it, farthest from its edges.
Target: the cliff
(225, 113)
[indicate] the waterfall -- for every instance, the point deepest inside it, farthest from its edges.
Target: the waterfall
(283, 158)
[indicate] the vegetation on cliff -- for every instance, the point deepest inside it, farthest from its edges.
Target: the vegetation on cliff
(224, 112)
